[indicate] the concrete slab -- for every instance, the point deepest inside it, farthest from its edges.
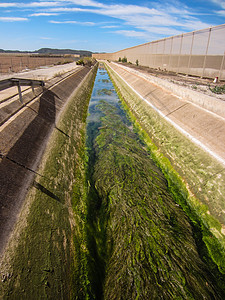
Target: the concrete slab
(204, 127)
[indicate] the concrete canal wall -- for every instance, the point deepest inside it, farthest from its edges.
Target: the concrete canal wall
(40, 259)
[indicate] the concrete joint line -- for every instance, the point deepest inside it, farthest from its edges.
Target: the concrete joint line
(177, 109)
(19, 164)
(192, 138)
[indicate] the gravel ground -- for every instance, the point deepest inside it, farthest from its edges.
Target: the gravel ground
(202, 85)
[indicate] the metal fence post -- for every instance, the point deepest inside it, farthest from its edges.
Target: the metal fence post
(21, 64)
(170, 51)
(11, 68)
(156, 47)
(20, 93)
(221, 67)
(189, 62)
(178, 63)
(206, 52)
(162, 64)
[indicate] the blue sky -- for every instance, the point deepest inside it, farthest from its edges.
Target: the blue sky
(101, 26)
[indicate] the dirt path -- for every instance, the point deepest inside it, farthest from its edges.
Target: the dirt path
(42, 73)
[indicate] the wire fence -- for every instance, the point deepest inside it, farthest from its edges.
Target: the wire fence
(10, 63)
(199, 53)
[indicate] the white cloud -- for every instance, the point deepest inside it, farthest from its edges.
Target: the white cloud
(43, 14)
(156, 18)
(152, 33)
(12, 19)
(84, 3)
(131, 33)
(72, 9)
(41, 4)
(221, 13)
(127, 10)
(62, 22)
(7, 5)
(141, 17)
(73, 22)
(163, 30)
(87, 23)
(110, 26)
(194, 24)
(145, 21)
(113, 10)
(31, 4)
(220, 3)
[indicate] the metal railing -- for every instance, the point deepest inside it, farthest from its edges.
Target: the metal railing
(8, 83)
(199, 53)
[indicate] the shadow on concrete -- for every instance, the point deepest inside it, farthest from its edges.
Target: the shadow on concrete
(15, 179)
(17, 170)
(62, 131)
(41, 188)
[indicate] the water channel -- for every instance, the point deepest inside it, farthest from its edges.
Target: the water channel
(142, 244)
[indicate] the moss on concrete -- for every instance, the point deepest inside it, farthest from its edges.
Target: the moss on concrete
(46, 257)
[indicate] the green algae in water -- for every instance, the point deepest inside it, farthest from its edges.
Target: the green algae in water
(202, 207)
(105, 92)
(141, 238)
(152, 251)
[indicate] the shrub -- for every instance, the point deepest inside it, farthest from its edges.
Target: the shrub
(86, 61)
(218, 89)
(80, 62)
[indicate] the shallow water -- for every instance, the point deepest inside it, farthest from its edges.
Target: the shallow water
(101, 86)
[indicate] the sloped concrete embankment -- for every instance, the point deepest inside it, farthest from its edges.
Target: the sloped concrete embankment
(184, 90)
(38, 261)
(23, 141)
(194, 176)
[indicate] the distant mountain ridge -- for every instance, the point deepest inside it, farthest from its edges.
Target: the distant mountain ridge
(51, 51)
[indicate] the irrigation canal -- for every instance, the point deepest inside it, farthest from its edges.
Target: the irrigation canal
(143, 241)
(103, 222)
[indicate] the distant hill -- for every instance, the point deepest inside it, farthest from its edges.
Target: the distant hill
(63, 51)
(51, 51)
(14, 51)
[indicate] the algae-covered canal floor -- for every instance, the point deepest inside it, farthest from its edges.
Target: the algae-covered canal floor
(143, 246)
